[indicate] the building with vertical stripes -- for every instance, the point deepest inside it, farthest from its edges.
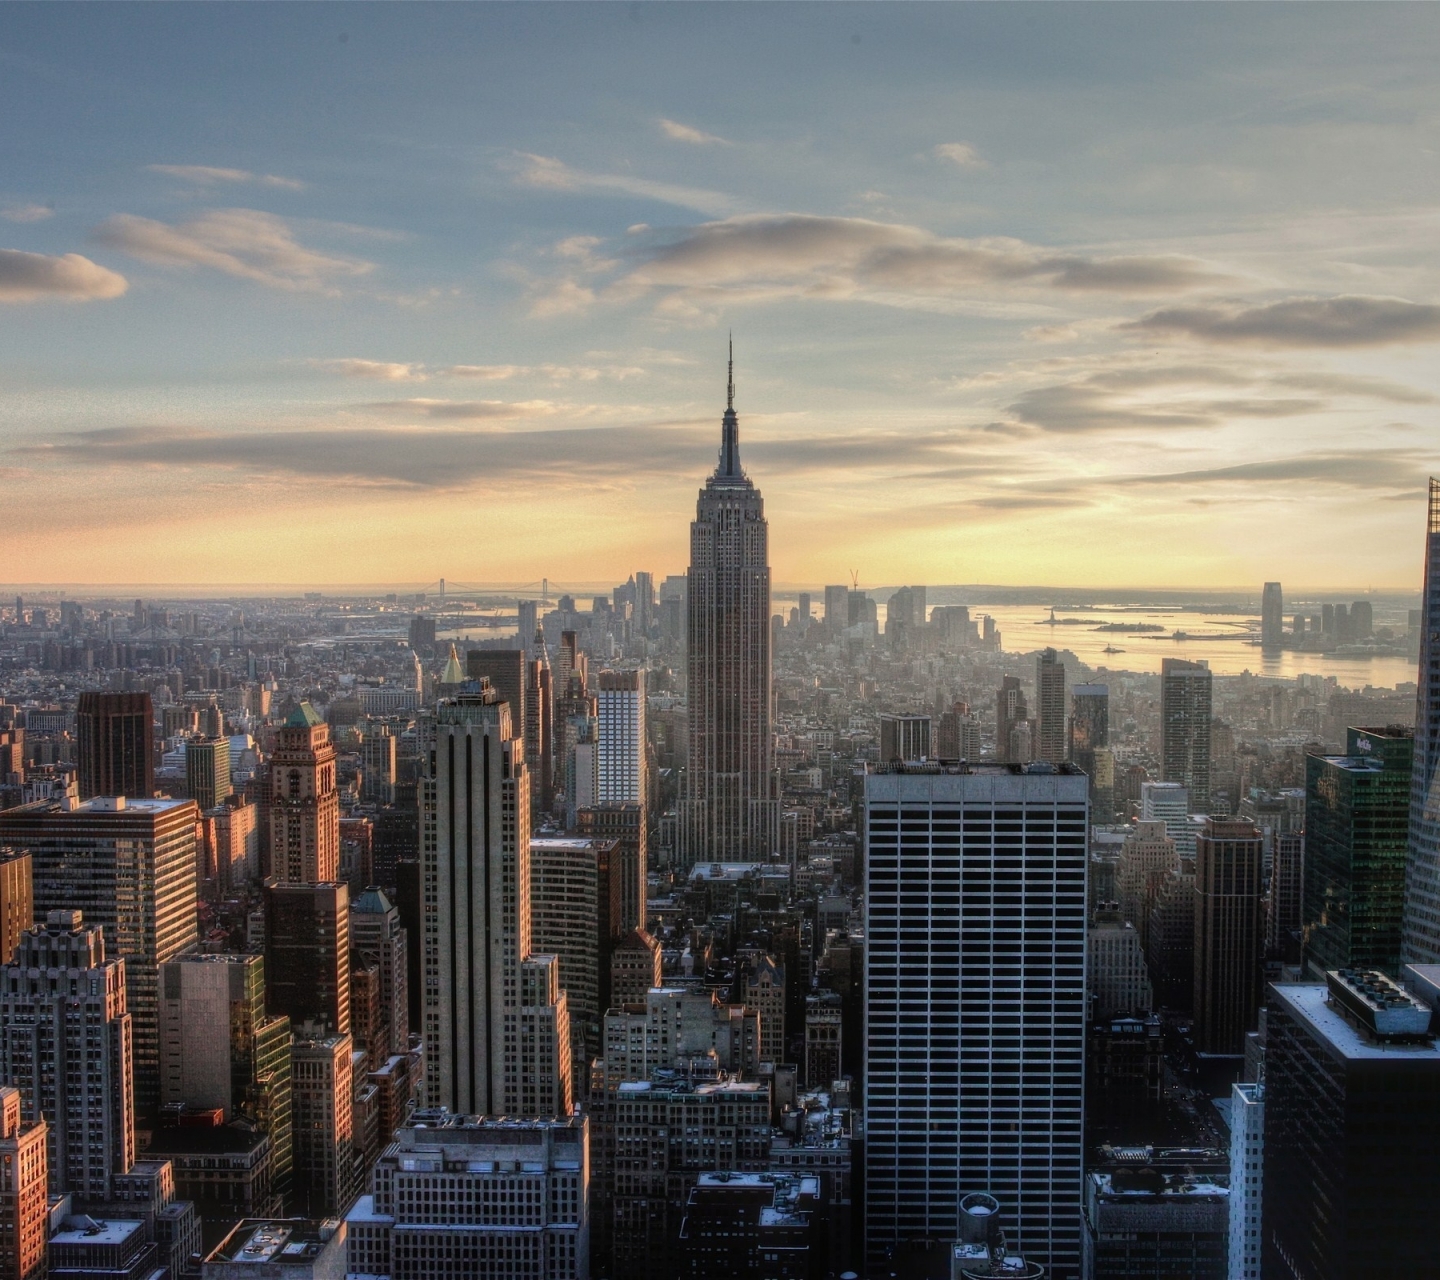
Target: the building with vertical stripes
(1421, 943)
(975, 1002)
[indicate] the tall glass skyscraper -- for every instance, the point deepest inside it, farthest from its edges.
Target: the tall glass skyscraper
(1422, 878)
(1185, 728)
(730, 804)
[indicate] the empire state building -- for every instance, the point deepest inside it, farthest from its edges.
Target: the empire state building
(730, 810)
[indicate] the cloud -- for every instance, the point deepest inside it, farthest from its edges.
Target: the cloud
(244, 243)
(30, 277)
(415, 371)
(831, 257)
(27, 213)
(466, 410)
(461, 457)
(208, 175)
(678, 132)
(960, 154)
(1163, 397)
(1352, 469)
(382, 370)
(550, 174)
(1345, 321)
(562, 298)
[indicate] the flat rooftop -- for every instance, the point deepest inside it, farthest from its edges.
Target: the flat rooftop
(290, 1242)
(1310, 1004)
(89, 1231)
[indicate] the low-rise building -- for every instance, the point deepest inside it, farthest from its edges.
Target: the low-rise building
(283, 1249)
(464, 1196)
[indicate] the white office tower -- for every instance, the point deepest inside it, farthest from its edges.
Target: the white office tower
(975, 1002)
(1169, 802)
(463, 1196)
(475, 871)
(1247, 1162)
(620, 701)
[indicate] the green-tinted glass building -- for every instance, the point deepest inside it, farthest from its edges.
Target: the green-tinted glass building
(1357, 822)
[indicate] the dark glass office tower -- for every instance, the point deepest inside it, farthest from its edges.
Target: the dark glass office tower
(115, 745)
(1352, 1126)
(1357, 822)
(1185, 728)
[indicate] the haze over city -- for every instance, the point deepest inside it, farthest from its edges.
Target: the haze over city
(1133, 296)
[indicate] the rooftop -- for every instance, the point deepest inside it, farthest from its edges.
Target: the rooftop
(82, 1230)
(292, 1242)
(1310, 1004)
(1151, 1184)
(303, 716)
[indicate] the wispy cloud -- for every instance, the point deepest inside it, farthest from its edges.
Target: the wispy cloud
(27, 213)
(205, 175)
(960, 154)
(31, 277)
(1345, 321)
(379, 370)
(244, 243)
(831, 257)
(1379, 469)
(550, 174)
(678, 132)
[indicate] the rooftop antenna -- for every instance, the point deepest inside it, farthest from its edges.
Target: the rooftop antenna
(730, 381)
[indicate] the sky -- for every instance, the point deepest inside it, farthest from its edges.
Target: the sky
(1083, 295)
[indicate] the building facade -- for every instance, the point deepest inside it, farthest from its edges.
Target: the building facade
(304, 801)
(730, 807)
(1229, 935)
(1422, 877)
(461, 1196)
(975, 1037)
(1050, 736)
(1357, 828)
(65, 1044)
(24, 1204)
(129, 867)
(115, 745)
(1185, 701)
(476, 874)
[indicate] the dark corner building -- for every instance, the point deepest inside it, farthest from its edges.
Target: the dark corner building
(1352, 1128)
(115, 745)
(1357, 822)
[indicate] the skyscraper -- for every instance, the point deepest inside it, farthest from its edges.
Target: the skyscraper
(576, 914)
(1357, 822)
(1185, 728)
(1352, 1109)
(475, 867)
(837, 609)
(1012, 722)
(304, 801)
(24, 1205)
(17, 900)
(115, 742)
(621, 810)
(129, 866)
(1089, 745)
(731, 810)
(1229, 934)
(975, 1034)
(65, 1044)
(221, 1050)
(905, 738)
(377, 934)
(1050, 708)
(1272, 617)
(307, 954)
(207, 771)
(1422, 874)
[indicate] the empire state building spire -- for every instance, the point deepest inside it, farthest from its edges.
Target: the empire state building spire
(729, 808)
(729, 465)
